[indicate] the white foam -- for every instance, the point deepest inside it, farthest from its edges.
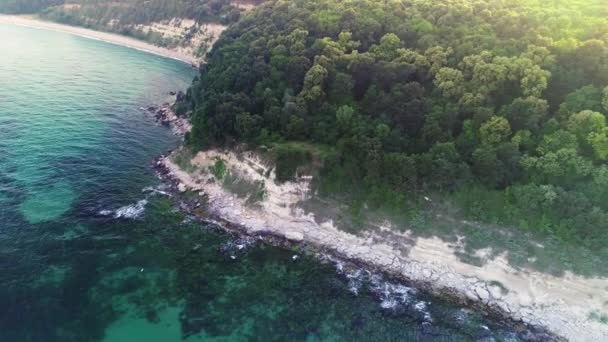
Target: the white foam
(355, 281)
(131, 211)
(105, 212)
(389, 303)
(422, 307)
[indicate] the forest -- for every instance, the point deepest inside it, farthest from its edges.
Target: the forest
(498, 105)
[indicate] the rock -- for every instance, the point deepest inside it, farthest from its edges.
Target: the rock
(181, 187)
(294, 236)
(172, 93)
(482, 293)
(504, 306)
(426, 273)
(495, 291)
(471, 295)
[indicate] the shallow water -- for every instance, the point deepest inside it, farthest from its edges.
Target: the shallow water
(86, 255)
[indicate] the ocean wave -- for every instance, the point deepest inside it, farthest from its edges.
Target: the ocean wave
(391, 295)
(131, 211)
(237, 247)
(136, 210)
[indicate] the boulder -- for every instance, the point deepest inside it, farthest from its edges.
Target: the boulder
(294, 236)
(495, 291)
(482, 293)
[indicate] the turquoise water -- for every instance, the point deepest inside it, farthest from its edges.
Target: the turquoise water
(86, 255)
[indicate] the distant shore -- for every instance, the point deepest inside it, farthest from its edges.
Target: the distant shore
(111, 38)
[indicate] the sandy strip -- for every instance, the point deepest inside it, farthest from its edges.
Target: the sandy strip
(111, 38)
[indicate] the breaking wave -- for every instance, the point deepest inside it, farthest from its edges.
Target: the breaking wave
(391, 295)
(136, 210)
(132, 211)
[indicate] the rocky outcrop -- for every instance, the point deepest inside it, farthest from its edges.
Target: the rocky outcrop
(166, 116)
(532, 298)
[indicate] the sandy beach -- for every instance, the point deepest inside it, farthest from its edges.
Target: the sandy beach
(111, 38)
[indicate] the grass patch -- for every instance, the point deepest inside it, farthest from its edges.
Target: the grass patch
(252, 191)
(183, 159)
(598, 317)
(288, 160)
(294, 158)
(219, 169)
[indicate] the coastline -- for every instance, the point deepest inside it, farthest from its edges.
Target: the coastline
(106, 37)
(346, 264)
(556, 308)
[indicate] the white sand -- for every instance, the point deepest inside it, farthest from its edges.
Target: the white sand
(102, 36)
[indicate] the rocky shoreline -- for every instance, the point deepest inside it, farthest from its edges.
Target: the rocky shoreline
(544, 307)
(166, 116)
(199, 207)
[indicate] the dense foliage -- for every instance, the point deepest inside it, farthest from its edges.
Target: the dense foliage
(500, 103)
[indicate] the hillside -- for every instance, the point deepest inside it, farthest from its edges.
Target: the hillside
(498, 107)
(186, 26)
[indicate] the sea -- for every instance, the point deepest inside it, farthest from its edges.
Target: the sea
(92, 249)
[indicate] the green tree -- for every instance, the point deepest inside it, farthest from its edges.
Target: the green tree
(605, 99)
(586, 122)
(495, 131)
(450, 81)
(527, 113)
(313, 83)
(599, 143)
